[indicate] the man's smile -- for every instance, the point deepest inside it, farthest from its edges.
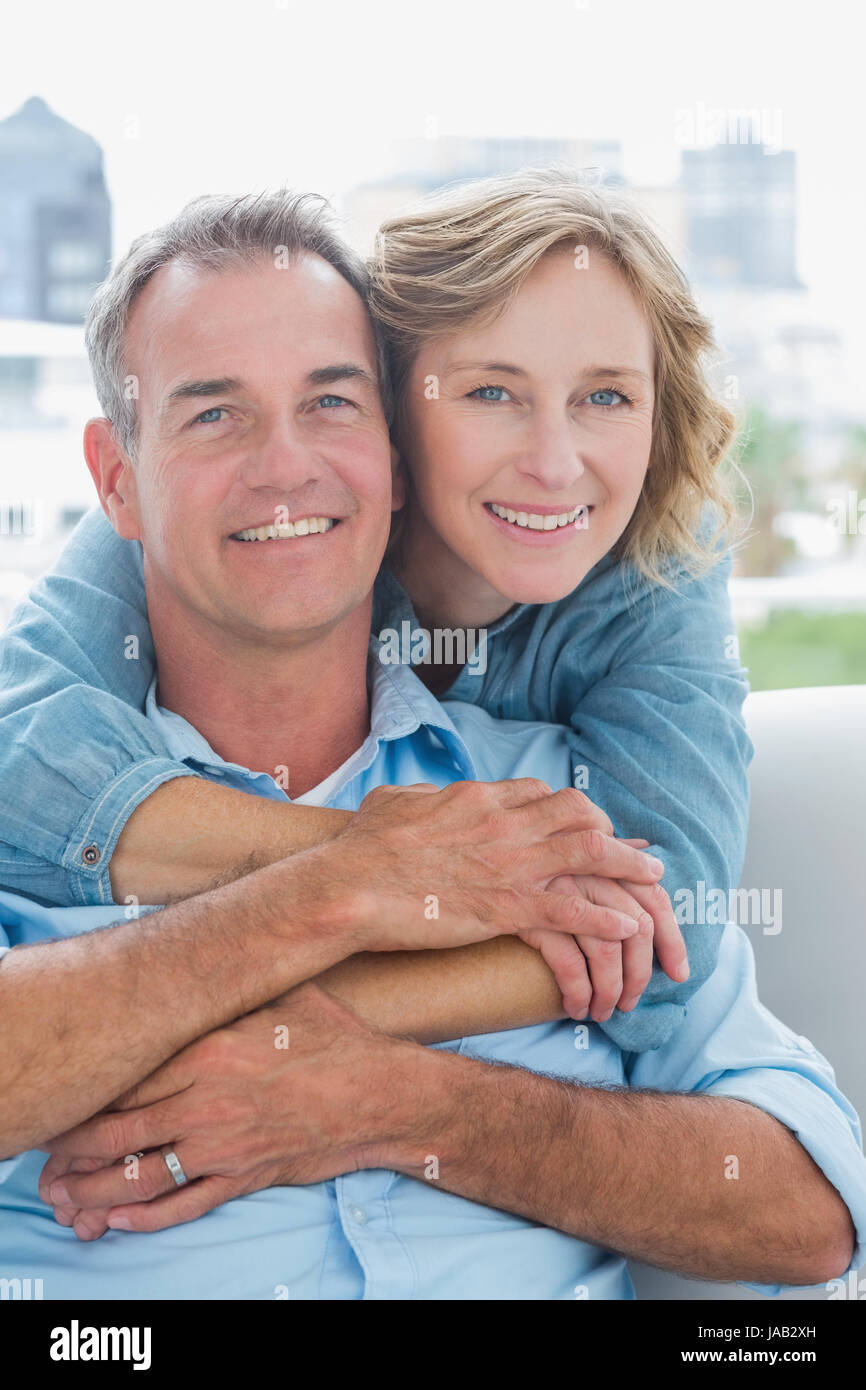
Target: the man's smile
(304, 526)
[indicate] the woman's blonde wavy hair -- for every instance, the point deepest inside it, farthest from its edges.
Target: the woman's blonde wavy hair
(461, 256)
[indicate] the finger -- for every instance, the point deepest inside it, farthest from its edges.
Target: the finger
(90, 1225)
(637, 844)
(117, 1185)
(187, 1203)
(604, 960)
(576, 914)
(637, 966)
(65, 1216)
(113, 1135)
(568, 963)
(57, 1166)
(591, 852)
(667, 937)
(569, 809)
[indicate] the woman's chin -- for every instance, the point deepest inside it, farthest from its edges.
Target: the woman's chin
(541, 588)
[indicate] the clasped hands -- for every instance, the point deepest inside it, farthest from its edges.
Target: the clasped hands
(243, 1111)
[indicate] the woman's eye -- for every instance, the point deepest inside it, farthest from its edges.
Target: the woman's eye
(490, 393)
(209, 416)
(608, 402)
(330, 401)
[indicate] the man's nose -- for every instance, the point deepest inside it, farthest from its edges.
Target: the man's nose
(552, 456)
(279, 456)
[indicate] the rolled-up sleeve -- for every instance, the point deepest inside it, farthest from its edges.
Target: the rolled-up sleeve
(77, 753)
(731, 1045)
(659, 742)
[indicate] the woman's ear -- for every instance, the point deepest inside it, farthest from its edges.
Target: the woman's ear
(398, 481)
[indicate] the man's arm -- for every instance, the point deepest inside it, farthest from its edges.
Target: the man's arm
(642, 1173)
(88, 1017)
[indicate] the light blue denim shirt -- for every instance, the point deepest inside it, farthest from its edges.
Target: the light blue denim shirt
(376, 1234)
(647, 681)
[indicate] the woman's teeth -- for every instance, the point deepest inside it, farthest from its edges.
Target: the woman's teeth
(309, 526)
(535, 521)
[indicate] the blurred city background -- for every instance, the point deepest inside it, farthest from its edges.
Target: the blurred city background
(729, 211)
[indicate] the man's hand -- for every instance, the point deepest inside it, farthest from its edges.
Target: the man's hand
(447, 868)
(287, 1095)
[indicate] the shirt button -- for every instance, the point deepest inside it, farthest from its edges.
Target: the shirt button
(90, 854)
(358, 1215)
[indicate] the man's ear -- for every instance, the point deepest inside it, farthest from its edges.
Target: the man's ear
(114, 478)
(398, 481)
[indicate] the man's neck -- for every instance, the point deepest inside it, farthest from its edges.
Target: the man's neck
(295, 711)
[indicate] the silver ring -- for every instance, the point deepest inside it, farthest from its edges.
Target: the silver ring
(172, 1163)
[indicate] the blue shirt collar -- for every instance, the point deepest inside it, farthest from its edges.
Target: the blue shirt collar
(400, 705)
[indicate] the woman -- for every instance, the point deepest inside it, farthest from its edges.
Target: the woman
(563, 453)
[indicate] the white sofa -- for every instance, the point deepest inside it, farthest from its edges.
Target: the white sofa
(807, 836)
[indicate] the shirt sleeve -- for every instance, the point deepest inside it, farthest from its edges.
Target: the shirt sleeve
(659, 743)
(731, 1045)
(76, 662)
(7, 1165)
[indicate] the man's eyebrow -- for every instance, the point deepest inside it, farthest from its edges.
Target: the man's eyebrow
(215, 386)
(340, 371)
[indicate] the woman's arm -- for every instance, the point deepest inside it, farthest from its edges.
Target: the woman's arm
(192, 835)
(660, 744)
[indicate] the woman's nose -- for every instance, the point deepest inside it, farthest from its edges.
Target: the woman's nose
(552, 457)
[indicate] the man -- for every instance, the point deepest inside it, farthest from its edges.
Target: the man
(334, 1160)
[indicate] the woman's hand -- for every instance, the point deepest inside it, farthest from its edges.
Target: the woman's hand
(598, 976)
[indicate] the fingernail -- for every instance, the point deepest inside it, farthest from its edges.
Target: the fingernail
(655, 864)
(120, 1223)
(59, 1195)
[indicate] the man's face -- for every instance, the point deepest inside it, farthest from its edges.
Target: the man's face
(258, 406)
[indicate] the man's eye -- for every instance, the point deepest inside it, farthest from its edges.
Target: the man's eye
(493, 394)
(330, 401)
(209, 416)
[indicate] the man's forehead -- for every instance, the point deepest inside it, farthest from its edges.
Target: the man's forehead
(191, 320)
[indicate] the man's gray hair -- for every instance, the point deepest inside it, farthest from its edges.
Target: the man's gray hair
(212, 232)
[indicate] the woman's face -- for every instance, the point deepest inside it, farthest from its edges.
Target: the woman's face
(528, 441)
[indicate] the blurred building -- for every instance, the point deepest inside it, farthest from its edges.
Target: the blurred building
(55, 217)
(741, 215)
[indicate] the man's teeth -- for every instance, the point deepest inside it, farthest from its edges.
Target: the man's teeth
(535, 521)
(309, 526)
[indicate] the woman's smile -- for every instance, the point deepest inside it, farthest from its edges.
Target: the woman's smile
(538, 525)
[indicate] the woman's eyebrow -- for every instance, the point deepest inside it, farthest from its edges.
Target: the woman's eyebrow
(618, 371)
(592, 370)
(484, 367)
